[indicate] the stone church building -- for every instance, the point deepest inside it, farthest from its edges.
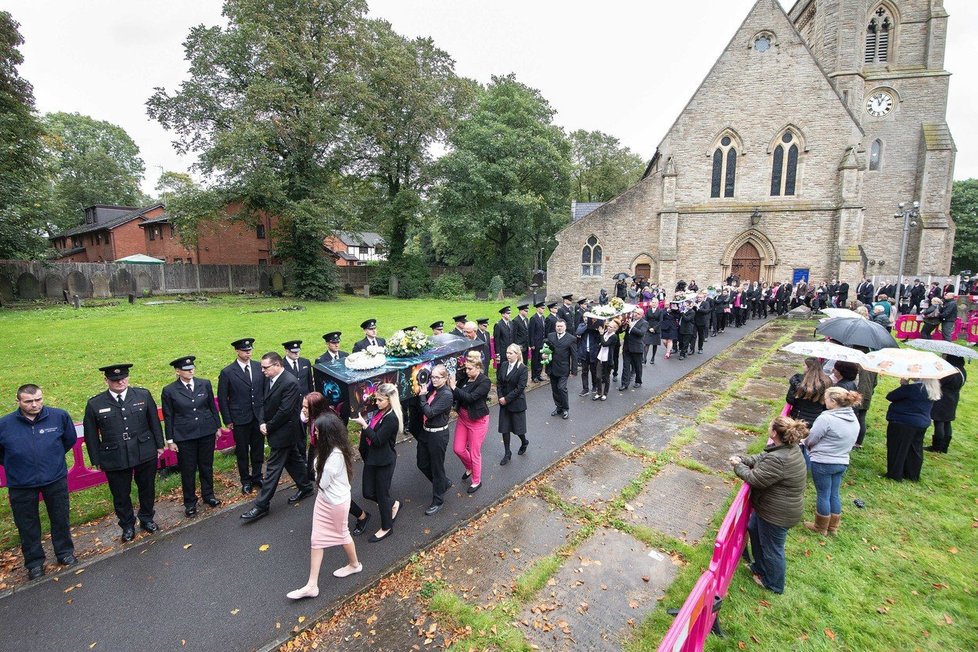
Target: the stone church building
(791, 158)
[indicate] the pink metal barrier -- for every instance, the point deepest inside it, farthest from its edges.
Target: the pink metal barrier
(695, 620)
(80, 476)
(973, 330)
(907, 327)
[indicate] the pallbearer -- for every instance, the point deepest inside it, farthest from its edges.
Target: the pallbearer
(369, 336)
(437, 328)
(301, 368)
(240, 393)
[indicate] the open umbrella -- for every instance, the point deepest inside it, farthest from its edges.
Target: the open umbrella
(857, 332)
(619, 276)
(943, 346)
(826, 351)
(907, 363)
(841, 312)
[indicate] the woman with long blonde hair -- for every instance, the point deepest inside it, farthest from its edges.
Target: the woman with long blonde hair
(377, 440)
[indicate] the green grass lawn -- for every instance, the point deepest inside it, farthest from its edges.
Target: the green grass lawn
(61, 349)
(901, 575)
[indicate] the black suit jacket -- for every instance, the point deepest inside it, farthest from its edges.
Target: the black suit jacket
(303, 376)
(564, 358)
(364, 343)
(549, 326)
(472, 395)
(282, 407)
(521, 333)
(240, 401)
(512, 387)
(503, 336)
(120, 437)
(635, 336)
(538, 331)
(189, 415)
(377, 445)
(326, 357)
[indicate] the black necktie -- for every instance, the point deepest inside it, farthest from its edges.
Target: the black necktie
(248, 373)
(118, 399)
(295, 367)
(190, 388)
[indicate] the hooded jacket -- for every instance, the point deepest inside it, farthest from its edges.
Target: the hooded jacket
(832, 435)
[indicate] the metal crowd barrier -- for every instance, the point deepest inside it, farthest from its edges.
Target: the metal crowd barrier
(907, 327)
(80, 476)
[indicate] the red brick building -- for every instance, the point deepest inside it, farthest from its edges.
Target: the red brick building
(108, 233)
(355, 248)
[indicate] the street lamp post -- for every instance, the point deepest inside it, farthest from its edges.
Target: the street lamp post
(910, 216)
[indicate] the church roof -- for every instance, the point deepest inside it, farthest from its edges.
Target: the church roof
(581, 208)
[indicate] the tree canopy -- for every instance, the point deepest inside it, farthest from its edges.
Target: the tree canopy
(964, 210)
(504, 186)
(603, 169)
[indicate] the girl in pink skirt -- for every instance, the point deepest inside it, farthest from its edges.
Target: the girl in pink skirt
(470, 394)
(334, 467)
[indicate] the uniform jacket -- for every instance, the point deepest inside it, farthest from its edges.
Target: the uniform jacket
(472, 394)
(564, 358)
(189, 415)
(120, 437)
(521, 333)
(512, 387)
(303, 376)
(549, 325)
(486, 353)
(364, 343)
(240, 400)
(282, 407)
(33, 453)
(327, 357)
(503, 335)
(538, 330)
(566, 313)
(377, 445)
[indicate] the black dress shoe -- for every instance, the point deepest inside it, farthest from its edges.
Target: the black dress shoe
(35, 572)
(467, 475)
(432, 509)
(68, 560)
(151, 526)
(506, 458)
(361, 524)
(637, 385)
(212, 501)
(254, 514)
(246, 488)
(190, 511)
(623, 388)
(374, 538)
(299, 495)
(128, 534)
(555, 412)
(474, 488)
(565, 415)
(523, 447)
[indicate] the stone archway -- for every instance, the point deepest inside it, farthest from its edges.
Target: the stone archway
(643, 265)
(751, 256)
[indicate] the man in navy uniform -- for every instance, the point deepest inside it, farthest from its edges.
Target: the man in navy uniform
(301, 368)
(191, 425)
(502, 333)
(566, 312)
(369, 336)
(550, 323)
(563, 362)
(538, 331)
(239, 396)
(333, 352)
(437, 328)
(459, 325)
(521, 330)
(124, 439)
(33, 441)
(282, 424)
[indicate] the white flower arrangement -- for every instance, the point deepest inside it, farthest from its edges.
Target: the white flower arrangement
(370, 358)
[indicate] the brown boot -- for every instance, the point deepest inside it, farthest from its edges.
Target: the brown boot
(820, 526)
(834, 520)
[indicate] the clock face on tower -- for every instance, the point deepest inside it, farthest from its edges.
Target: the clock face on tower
(879, 104)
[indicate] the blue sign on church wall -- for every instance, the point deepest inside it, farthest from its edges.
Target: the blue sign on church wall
(800, 274)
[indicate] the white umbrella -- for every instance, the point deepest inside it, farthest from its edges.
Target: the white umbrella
(826, 351)
(908, 363)
(841, 312)
(943, 346)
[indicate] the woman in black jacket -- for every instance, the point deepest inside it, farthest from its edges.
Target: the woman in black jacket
(944, 410)
(377, 440)
(435, 408)
(806, 392)
(669, 329)
(610, 344)
(473, 420)
(511, 391)
(653, 336)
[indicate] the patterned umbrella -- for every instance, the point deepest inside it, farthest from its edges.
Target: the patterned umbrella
(857, 332)
(907, 363)
(943, 346)
(826, 351)
(841, 312)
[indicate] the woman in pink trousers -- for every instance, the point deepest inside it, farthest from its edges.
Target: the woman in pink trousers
(470, 394)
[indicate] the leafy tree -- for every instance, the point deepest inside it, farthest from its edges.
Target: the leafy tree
(267, 110)
(411, 99)
(964, 210)
(505, 185)
(603, 169)
(22, 187)
(93, 162)
(172, 184)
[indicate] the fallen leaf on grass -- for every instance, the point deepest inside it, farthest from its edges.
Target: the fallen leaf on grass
(754, 638)
(952, 550)
(764, 603)
(948, 620)
(882, 610)
(830, 634)
(263, 547)
(742, 645)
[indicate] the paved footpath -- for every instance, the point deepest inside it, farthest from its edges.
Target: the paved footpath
(221, 585)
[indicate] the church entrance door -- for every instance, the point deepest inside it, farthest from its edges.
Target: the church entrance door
(747, 263)
(644, 270)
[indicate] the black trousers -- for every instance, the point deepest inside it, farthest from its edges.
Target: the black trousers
(700, 336)
(941, 438)
(904, 451)
(536, 366)
(27, 518)
(249, 445)
(632, 366)
(282, 459)
(604, 378)
(431, 462)
(120, 486)
(686, 341)
(196, 456)
(861, 418)
(722, 321)
(377, 487)
(589, 368)
(558, 387)
(947, 329)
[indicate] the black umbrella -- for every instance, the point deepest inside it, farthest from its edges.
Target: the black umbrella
(857, 332)
(619, 276)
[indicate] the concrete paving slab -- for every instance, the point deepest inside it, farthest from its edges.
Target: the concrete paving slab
(678, 502)
(751, 413)
(686, 402)
(715, 444)
(778, 371)
(510, 541)
(714, 381)
(734, 364)
(762, 390)
(652, 432)
(595, 477)
(607, 588)
(398, 623)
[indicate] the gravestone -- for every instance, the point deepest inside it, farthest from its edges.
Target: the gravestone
(28, 287)
(6, 289)
(278, 283)
(54, 286)
(122, 283)
(77, 283)
(101, 287)
(144, 284)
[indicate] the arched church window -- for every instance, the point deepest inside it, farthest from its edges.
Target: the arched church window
(876, 155)
(878, 34)
(591, 258)
(784, 166)
(724, 168)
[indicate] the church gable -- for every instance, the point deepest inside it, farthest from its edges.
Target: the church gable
(765, 87)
